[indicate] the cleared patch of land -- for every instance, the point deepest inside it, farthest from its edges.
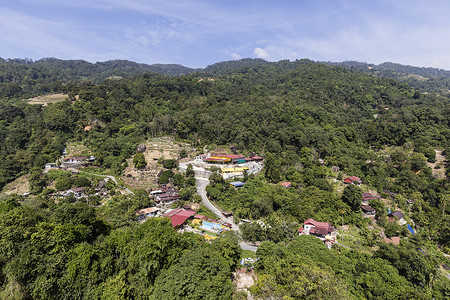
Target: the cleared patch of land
(439, 172)
(18, 186)
(46, 99)
(77, 149)
(156, 148)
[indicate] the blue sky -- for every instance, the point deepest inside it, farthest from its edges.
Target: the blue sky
(197, 33)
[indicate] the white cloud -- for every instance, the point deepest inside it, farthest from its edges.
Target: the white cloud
(235, 55)
(408, 32)
(261, 53)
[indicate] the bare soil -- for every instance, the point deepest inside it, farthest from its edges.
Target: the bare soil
(244, 279)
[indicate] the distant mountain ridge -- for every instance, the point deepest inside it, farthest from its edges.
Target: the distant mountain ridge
(42, 76)
(426, 78)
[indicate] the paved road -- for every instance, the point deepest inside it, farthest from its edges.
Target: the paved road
(201, 182)
(247, 246)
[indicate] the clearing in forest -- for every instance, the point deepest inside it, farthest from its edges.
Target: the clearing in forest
(439, 172)
(156, 148)
(46, 99)
(77, 149)
(19, 186)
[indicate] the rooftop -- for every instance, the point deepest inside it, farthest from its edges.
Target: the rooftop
(147, 210)
(398, 214)
(237, 183)
(367, 208)
(319, 227)
(286, 184)
(231, 156)
(181, 216)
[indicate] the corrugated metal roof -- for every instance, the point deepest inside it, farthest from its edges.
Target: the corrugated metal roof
(237, 183)
(181, 217)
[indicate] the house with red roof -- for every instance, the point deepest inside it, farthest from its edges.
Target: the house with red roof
(313, 227)
(324, 231)
(253, 158)
(352, 180)
(368, 197)
(179, 216)
(165, 194)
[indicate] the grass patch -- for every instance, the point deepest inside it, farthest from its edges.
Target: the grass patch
(18, 186)
(248, 254)
(100, 171)
(355, 239)
(77, 149)
(206, 212)
(55, 174)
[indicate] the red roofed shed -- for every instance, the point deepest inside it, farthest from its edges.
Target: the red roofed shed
(181, 217)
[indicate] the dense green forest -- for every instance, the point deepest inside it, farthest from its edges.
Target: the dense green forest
(428, 79)
(303, 117)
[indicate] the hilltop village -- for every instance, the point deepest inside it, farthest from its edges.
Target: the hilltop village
(78, 178)
(254, 180)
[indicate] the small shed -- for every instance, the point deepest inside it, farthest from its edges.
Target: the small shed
(237, 184)
(368, 210)
(396, 214)
(201, 217)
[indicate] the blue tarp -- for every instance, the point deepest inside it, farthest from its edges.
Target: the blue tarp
(410, 229)
(389, 210)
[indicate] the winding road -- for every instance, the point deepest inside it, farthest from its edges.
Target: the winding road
(201, 181)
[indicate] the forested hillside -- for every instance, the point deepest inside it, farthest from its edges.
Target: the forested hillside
(303, 117)
(22, 78)
(428, 79)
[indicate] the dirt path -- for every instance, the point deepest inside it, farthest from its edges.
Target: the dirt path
(127, 191)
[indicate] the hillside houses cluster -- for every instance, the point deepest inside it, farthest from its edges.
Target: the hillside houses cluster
(71, 162)
(186, 219)
(82, 192)
(165, 195)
